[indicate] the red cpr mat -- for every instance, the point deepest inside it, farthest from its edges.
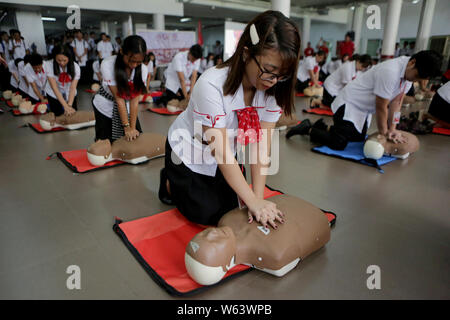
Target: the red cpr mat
(299, 94)
(77, 161)
(164, 111)
(319, 111)
(37, 128)
(89, 91)
(158, 242)
(443, 131)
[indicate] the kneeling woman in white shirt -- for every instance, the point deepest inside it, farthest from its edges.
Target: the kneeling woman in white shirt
(343, 75)
(35, 75)
(62, 80)
(123, 81)
(245, 94)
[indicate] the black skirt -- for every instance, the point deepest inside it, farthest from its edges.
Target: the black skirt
(201, 199)
(327, 98)
(439, 108)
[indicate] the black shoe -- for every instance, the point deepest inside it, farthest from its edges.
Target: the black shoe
(163, 195)
(319, 124)
(302, 129)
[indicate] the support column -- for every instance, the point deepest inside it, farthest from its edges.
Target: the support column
(357, 26)
(104, 28)
(158, 21)
(284, 6)
(305, 32)
(127, 27)
(426, 19)
(394, 9)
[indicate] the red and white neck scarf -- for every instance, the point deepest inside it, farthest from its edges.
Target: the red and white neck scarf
(249, 127)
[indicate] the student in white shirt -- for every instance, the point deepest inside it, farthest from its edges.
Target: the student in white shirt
(35, 75)
(62, 80)
(308, 71)
(151, 70)
(97, 75)
(247, 92)
(104, 47)
(123, 81)
(4, 53)
(14, 81)
(117, 45)
(17, 46)
(80, 50)
(343, 75)
(184, 66)
(23, 82)
(378, 91)
(206, 63)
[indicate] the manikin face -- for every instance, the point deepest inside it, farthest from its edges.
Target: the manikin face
(269, 61)
(216, 246)
(62, 60)
(133, 60)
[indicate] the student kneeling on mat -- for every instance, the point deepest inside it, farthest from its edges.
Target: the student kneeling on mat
(343, 75)
(380, 90)
(37, 79)
(308, 71)
(123, 81)
(62, 81)
(184, 66)
(245, 94)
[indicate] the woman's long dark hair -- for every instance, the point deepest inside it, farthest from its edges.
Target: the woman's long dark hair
(275, 32)
(66, 51)
(131, 45)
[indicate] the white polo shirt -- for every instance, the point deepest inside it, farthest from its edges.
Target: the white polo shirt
(37, 78)
(4, 48)
(150, 67)
(102, 104)
(96, 69)
(79, 47)
(179, 63)
(209, 106)
(385, 80)
(309, 63)
(444, 92)
(13, 69)
(20, 51)
(22, 84)
(105, 48)
(64, 89)
(336, 81)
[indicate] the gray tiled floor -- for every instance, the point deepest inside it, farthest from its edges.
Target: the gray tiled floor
(51, 219)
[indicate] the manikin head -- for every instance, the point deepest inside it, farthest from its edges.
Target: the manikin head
(377, 145)
(210, 254)
(99, 152)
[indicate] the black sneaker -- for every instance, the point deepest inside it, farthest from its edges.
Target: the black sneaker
(163, 195)
(302, 129)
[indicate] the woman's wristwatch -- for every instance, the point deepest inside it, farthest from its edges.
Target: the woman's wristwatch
(126, 125)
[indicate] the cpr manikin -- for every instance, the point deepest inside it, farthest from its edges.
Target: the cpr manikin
(378, 145)
(214, 251)
(145, 147)
(313, 91)
(175, 105)
(7, 95)
(79, 119)
(26, 107)
(16, 99)
(95, 87)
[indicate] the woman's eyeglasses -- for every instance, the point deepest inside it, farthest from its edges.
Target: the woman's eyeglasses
(269, 76)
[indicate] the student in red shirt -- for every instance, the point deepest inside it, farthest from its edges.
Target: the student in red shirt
(347, 47)
(309, 51)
